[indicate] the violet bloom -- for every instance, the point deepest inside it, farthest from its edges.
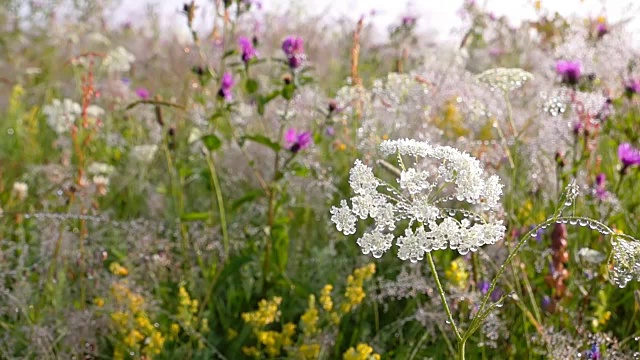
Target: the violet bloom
(484, 287)
(601, 183)
(602, 30)
(225, 86)
(632, 87)
(496, 294)
(628, 155)
(296, 141)
(248, 51)
(330, 131)
(143, 93)
(594, 353)
(408, 21)
(569, 70)
(293, 47)
(546, 303)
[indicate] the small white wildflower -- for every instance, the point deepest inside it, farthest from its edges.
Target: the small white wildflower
(414, 181)
(375, 243)
(118, 60)
(625, 262)
(590, 256)
(61, 114)
(101, 183)
(95, 111)
(144, 153)
(344, 219)
(459, 176)
(505, 79)
(20, 190)
(99, 168)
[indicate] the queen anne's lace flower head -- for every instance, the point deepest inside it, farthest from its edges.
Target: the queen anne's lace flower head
(505, 79)
(441, 174)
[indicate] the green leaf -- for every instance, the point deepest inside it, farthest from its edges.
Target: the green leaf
(212, 142)
(288, 91)
(251, 86)
(261, 139)
(196, 216)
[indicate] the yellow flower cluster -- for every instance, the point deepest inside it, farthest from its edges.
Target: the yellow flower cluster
(132, 323)
(271, 343)
(457, 273)
(354, 295)
(325, 298)
(360, 352)
(117, 269)
(267, 313)
(310, 318)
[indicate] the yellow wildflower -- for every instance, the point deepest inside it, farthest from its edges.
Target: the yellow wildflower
(99, 302)
(266, 314)
(310, 318)
(133, 338)
(457, 273)
(155, 345)
(117, 269)
(325, 298)
(309, 351)
(361, 352)
(231, 334)
(251, 351)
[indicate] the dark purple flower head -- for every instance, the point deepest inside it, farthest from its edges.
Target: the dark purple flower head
(296, 141)
(601, 186)
(570, 71)
(602, 30)
(408, 21)
(632, 87)
(143, 93)
(594, 353)
(248, 51)
(226, 84)
(293, 47)
(484, 286)
(546, 303)
(628, 155)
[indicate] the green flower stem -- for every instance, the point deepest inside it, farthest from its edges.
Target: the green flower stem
(215, 183)
(444, 299)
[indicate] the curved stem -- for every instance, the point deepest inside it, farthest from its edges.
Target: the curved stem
(443, 297)
(223, 217)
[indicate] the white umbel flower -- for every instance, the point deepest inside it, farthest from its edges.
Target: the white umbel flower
(428, 224)
(118, 60)
(62, 114)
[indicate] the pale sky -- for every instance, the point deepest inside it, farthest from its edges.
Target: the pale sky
(440, 15)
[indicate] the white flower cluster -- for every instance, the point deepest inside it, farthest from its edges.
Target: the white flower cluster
(118, 60)
(420, 192)
(624, 262)
(505, 79)
(61, 114)
(144, 153)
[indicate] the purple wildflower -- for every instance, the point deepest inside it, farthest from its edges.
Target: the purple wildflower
(601, 183)
(569, 70)
(594, 353)
(293, 47)
(632, 87)
(248, 51)
(330, 131)
(408, 21)
(226, 84)
(143, 93)
(496, 294)
(296, 141)
(484, 286)
(602, 30)
(628, 155)
(126, 81)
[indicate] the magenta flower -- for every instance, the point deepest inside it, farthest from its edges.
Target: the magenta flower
(296, 141)
(226, 84)
(628, 155)
(632, 87)
(143, 93)
(569, 70)
(408, 20)
(248, 51)
(602, 30)
(293, 48)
